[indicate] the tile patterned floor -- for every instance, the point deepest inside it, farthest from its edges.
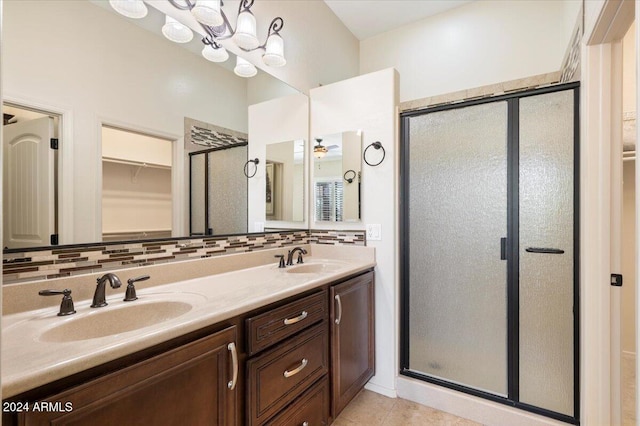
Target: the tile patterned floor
(628, 390)
(372, 409)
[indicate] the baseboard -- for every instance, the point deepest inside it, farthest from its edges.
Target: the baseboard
(468, 406)
(391, 393)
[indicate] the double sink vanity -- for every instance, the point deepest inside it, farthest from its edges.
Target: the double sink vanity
(252, 344)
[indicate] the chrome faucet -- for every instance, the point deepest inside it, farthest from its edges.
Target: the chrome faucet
(98, 296)
(292, 252)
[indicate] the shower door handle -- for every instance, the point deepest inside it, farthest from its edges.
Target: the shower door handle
(544, 250)
(503, 248)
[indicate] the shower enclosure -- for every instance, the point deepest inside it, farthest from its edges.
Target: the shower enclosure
(490, 248)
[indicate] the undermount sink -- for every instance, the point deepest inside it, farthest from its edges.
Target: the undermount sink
(312, 268)
(107, 322)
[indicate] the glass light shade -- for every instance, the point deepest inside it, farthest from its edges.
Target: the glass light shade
(319, 152)
(215, 55)
(244, 68)
(176, 31)
(274, 51)
(135, 9)
(245, 35)
(208, 12)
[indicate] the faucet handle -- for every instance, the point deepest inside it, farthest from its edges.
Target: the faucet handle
(300, 257)
(66, 306)
(130, 294)
(281, 263)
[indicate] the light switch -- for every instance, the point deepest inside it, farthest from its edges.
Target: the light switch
(374, 232)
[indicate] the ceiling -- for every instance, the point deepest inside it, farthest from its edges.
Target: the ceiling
(367, 18)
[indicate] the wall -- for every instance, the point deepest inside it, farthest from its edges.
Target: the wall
(278, 120)
(628, 297)
(477, 44)
(369, 102)
(135, 203)
(629, 93)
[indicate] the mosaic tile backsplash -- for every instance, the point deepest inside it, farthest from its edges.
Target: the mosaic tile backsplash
(67, 261)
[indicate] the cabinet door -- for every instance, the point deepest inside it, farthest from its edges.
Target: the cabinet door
(189, 385)
(352, 339)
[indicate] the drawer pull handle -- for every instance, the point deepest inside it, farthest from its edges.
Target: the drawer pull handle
(303, 364)
(339, 317)
(234, 359)
(289, 321)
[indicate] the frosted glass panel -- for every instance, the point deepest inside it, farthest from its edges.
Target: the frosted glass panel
(228, 191)
(197, 194)
(458, 213)
(546, 280)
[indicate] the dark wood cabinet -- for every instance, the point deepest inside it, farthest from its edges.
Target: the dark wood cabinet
(190, 385)
(277, 377)
(352, 338)
(311, 409)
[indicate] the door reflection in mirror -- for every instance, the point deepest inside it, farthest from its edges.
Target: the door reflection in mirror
(284, 175)
(29, 184)
(337, 167)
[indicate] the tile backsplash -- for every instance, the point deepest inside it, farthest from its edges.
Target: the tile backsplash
(75, 260)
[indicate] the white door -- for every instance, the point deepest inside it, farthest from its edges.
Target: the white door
(28, 188)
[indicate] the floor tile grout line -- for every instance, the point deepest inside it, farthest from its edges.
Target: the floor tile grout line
(384, 421)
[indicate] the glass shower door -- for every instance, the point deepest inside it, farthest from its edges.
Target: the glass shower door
(457, 218)
(546, 282)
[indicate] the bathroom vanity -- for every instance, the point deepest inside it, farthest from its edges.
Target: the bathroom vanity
(288, 346)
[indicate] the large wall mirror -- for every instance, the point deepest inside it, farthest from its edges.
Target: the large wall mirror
(284, 173)
(98, 69)
(337, 177)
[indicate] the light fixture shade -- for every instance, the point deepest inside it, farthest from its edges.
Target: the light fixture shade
(319, 153)
(274, 51)
(176, 31)
(135, 9)
(215, 55)
(244, 68)
(208, 12)
(245, 35)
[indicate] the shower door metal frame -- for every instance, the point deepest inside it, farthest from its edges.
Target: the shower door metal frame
(513, 254)
(208, 230)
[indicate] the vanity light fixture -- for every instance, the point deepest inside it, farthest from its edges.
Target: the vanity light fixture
(135, 9)
(244, 68)
(176, 31)
(214, 21)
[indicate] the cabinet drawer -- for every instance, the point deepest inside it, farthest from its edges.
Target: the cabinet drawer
(277, 324)
(277, 377)
(310, 409)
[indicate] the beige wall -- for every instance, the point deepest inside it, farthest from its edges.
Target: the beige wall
(481, 43)
(629, 91)
(628, 258)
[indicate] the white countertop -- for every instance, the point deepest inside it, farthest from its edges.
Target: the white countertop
(29, 362)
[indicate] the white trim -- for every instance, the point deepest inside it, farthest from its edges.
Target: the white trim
(616, 154)
(467, 406)
(595, 229)
(390, 393)
(66, 185)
